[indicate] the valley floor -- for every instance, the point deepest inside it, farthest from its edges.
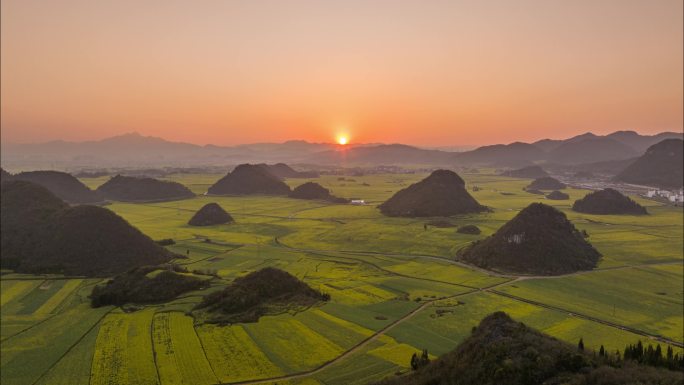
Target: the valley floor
(395, 290)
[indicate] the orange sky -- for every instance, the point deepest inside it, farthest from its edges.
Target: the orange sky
(417, 72)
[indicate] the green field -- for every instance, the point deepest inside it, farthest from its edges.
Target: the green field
(394, 289)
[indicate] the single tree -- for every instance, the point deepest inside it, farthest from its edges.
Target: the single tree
(414, 362)
(580, 345)
(424, 358)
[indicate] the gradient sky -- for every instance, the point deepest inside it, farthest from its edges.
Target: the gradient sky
(420, 72)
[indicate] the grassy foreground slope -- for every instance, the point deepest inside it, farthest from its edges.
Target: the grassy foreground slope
(394, 289)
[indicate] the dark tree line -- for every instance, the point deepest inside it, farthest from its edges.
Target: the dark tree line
(646, 355)
(654, 356)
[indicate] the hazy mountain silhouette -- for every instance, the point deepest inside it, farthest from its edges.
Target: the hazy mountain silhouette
(642, 142)
(510, 155)
(590, 150)
(531, 172)
(135, 150)
(283, 171)
(383, 154)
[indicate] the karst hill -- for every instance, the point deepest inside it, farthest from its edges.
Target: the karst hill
(62, 184)
(546, 183)
(209, 215)
(42, 234)
(314, 191)
(608, 201)
(539, 240)
(443, 193)
(249, 179)
(531, 172)
(662, 166)
(134, 189)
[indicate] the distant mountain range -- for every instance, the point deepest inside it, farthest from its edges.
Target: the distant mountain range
(134, 150)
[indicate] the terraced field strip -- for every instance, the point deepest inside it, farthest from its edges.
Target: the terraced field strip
(51, 304)
(75, 367)
(123, 351)
(590, 318)
(178, 352)
(234, 355)
(15, 289)
(375, 266)
(356, 348)
(42, 360)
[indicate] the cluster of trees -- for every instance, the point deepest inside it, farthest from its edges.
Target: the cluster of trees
(266, 291)
(418, 362)
(137, 286)
(649, 355)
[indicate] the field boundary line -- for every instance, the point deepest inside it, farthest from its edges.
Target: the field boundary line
(630, 329)
(154, 351)
(380, 268)
(363, 342)
(73, 346)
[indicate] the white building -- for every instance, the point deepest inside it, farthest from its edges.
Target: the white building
(358, 202)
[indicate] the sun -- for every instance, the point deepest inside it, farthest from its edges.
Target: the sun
(342, 140)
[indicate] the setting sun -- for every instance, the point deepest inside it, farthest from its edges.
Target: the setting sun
(342, 140)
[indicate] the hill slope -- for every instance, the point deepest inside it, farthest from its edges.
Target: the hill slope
(532, 172)
(442, 193)
(92, 241)
(25, 208)
(511, 155)
(249, 179)
(642, 142)
(501, 351)
(662, 165)
(384, 154)
(132, 189)
(64, 185)
(41, 234)
(313, 190)
(282, 171)
(546, 183)
(593, 149)
(540, 240)
(608, 201)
